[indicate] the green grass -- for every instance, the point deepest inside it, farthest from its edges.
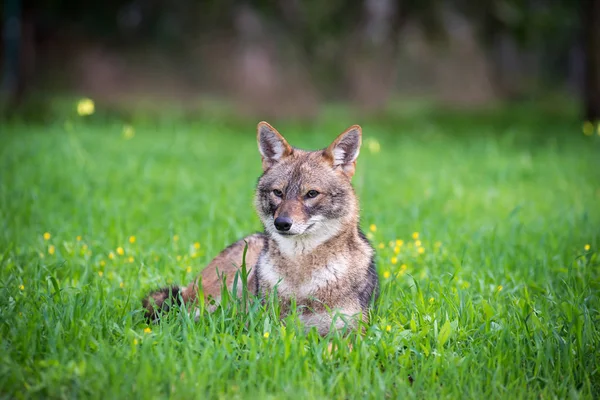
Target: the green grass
(502, 303)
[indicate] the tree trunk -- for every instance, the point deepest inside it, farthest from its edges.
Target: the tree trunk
(12, 42)
(373, 65)
(591, 39)
(19, 52)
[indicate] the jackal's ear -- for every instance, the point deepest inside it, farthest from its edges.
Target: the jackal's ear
(344, 150)
(272, 146)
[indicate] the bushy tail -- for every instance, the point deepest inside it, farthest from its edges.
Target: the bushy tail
(159, 302)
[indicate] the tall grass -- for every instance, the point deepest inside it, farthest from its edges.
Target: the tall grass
(486, 228)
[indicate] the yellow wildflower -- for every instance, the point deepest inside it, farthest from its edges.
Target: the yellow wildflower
(499, 288)
(111, 255)
(197, 245)
(128, 132)
(373, 228)
(588, 128)
(102, 263)
(386, 274)
(22, 287)
(47, 236)
(79, 238)
(394, 260)
(51, 249)
(399, 242)
(587, 247)
(135, 342)
(373, 145)
(431, 300)
(388, 328)
(122, 285)
(189, 269)
(266, 335)
(85, 107)
(421, 250)
(100, 274)
(147, 330)
(381, 245)
(415, 235)
(120, 251)
(403, 267)
(417, 243)
(178, 258)
(397, 250)
(130, 259)
(132, 239)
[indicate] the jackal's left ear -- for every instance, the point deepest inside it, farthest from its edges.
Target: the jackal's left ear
(272, 146)
(344, 150)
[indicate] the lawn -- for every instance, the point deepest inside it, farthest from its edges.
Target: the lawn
(486, 225)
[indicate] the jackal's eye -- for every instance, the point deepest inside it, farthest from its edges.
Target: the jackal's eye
(311, 194)
(277, 192)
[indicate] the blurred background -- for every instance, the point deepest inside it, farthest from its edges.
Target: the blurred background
(286, 58)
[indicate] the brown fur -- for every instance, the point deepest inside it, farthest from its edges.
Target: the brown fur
(323, 261)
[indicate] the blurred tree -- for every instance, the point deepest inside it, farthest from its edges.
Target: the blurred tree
(374, 65)
(590, 17)
(349, 46)
(352, 44)
(512, 30)
(551, 30)
(18, 51)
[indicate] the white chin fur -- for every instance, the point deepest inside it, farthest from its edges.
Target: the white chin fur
(300, 239)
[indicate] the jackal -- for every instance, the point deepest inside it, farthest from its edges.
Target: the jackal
(311, 250)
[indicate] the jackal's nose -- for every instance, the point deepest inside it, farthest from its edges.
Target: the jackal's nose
(283, 223)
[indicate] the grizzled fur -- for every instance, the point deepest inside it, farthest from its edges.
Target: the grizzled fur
(160, 297)
(320, 259)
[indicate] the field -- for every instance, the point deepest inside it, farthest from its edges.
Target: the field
(486, 225)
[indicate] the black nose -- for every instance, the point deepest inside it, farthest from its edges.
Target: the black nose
(283, 223)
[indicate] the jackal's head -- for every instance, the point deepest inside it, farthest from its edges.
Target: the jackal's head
(306, 194)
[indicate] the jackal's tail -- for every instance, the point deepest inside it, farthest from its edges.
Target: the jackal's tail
(160, 301)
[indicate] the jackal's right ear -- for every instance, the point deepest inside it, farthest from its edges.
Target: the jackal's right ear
(272, 146)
